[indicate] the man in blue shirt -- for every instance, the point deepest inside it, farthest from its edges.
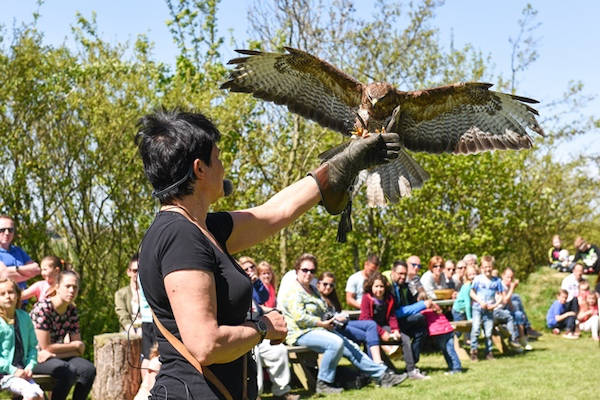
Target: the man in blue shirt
(15, 263)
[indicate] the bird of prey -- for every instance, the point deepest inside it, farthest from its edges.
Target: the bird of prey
(462, 118)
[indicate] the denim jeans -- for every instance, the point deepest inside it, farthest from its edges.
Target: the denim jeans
(487, 318)
(361, 331)
(446, 343)
(333, 345)
(458, 316)
(518, 311)
(503, 316)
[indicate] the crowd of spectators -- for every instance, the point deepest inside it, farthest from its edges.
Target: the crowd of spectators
(47, 340)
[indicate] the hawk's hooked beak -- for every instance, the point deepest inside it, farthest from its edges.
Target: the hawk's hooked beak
(373, 102)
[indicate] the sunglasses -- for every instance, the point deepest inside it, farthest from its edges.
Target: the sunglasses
(327, 284)
(437, 266)
(7, 230)
(416, 265)
(450, 269)
(307, 270)
(460, 267)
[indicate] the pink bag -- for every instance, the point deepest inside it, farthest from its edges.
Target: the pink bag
(437, 324)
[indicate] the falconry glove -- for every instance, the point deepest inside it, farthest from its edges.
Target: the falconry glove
(335, 176)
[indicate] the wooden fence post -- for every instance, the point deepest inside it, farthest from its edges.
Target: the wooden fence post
(117, 363)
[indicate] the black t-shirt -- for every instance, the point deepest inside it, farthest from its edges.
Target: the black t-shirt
(590, 257)
(173, 243)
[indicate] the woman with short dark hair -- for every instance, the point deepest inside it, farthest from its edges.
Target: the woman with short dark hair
(191, 281)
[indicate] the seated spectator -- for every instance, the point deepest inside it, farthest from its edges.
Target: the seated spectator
(504, 313)
(588, 255)
(515, 306)
(273, 357)
(408, 309)
(486, 296)
(558, 257)
(358, 331)
(413, 263)
(459, 275)
(260, 294)
(304, 309)
(558, 318)
(152, 369)
(356, 281)
(54, 319)
(50, 267)
(448, 271)
(18, 345)
(267, 277)
(434, 278)
(584, 290)
(471, 260)
(461, 309)
(588, 315)
(378, 305)
(571, 284)
(15, 263)
(127, 301)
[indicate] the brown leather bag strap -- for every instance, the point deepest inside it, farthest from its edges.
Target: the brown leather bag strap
(180, 347)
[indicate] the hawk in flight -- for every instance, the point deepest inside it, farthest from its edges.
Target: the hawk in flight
(462, 118)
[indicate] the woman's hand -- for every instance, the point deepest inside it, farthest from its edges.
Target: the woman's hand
(44, 355)
(23, 373)
(277, 328)
(79, 346)
(327, 324)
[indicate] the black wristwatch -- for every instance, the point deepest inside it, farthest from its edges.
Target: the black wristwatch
(261, 327)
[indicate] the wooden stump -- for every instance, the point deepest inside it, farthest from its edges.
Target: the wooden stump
(117, 363)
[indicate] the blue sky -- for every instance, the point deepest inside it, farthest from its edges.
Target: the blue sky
(569, 37)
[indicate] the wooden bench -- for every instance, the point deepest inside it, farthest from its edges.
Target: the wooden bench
(305, 365)
(465, 328)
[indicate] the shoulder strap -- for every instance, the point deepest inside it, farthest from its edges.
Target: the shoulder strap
(180, 347)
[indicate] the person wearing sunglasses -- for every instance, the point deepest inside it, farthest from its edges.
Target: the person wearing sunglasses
(127, 301)
(309, 325)
(15, 263)
(434, 278)
(413, 279)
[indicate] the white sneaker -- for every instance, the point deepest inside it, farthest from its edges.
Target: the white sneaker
(416, 374)
(528, 347)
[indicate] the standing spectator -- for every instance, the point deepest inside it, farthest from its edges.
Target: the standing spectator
(267, 276)
(127, 301)
(588, 254)
(434, 278)
(514, 304)
(358, 331)
(486, 295)
(15, 263)
(148, 333)
(18, 352)
(356, 281)
(54, 319)
(51, 267)
(304, 309)
(408, 311)
(558, 317)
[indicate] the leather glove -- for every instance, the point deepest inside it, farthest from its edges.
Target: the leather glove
(335, 176)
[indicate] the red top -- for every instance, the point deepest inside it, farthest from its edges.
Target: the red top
(272, 300)
(366, 311)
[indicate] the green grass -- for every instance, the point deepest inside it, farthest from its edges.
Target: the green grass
(557, 368)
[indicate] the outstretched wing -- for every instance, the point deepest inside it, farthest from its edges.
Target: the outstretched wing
(304, 83)
(465, 118)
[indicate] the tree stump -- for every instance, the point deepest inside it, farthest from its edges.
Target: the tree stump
(117, 362)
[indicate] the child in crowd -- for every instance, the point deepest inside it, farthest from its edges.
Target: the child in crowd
(152, 370)
(51, 267)
(486, 294)
(18, 353)
(377, 304)
(555, 258)
(461, 309)
(266, 275)
(584, 290)
(557, 318)
(588, 315)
